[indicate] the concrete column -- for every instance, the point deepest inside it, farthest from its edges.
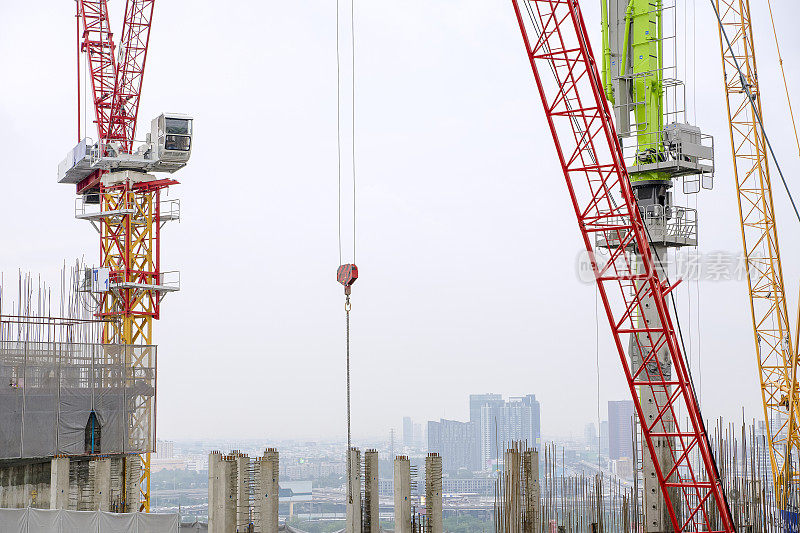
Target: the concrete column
(402, 494)
(59, 483)
(268, 489)
(242, 465)
(530, 467)
(433, 493)
(100, 473)
(132, 473)
(221, 494)
(371, 497)
(512, 498)
(656, 514)
(353, 495)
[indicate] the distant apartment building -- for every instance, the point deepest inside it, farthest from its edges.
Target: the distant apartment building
(483, 486)
(479, 485)
(327, 469)
(604, 437)
(590, 434)
(477, 401)
(419, 438)
(408, 431)
(519, 418)
(197, 462)
(165, 449)
(456, 442)
(620, 430)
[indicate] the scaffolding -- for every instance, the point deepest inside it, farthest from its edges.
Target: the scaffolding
(55, 395)
(61, 393)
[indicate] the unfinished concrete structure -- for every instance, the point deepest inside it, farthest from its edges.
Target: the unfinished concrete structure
(353, 496)
(402, 494)
(531, 518)
(267, 491)
(74, 483)
(243, 493)
(517, 494)
(371, 521)
(433, 493)
(221, 493)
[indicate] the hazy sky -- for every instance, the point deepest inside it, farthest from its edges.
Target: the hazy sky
(467, 245)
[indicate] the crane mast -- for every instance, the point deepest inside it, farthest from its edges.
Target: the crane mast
(617, 239)
(775, 352)
(659, 146)
(123, 199)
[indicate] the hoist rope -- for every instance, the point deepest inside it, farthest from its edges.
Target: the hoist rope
(783, 74)
(349, 443)
(339, 123)
(754, 106)
(339, 132)
(353, 114)
(339, 191)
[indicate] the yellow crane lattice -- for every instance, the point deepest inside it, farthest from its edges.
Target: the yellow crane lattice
(775, 349)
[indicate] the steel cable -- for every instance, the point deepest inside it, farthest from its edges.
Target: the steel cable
(349, 443)
(754, 106)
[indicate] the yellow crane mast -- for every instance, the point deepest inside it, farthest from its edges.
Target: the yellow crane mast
(776, 353)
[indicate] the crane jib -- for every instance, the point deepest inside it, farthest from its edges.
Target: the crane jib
(579, 118)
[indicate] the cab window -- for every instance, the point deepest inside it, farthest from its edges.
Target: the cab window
(179, 126)
(178, 142)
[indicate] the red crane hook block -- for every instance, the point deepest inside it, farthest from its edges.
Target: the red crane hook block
(347, 275)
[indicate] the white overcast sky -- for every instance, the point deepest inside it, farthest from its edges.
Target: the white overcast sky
(467, 245)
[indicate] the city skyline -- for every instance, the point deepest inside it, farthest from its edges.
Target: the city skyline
(448, 332)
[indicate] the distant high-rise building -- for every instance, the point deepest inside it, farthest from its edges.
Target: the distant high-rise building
(419, 438)
(476, 401)
(476, 404)
(165, 449)
(408, 431)
(620, 431)
(456, 442)
(604, 437)
(502, 422)
(590, 434)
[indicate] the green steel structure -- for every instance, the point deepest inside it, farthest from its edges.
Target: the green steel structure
(639, 77)
(640, 63)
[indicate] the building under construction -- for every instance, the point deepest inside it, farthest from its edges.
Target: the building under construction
(75, 414)
(78, 373)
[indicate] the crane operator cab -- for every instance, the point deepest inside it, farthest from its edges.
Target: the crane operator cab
(171, 138)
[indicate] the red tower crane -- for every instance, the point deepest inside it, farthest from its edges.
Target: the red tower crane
(123, 201)
(597, 180)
